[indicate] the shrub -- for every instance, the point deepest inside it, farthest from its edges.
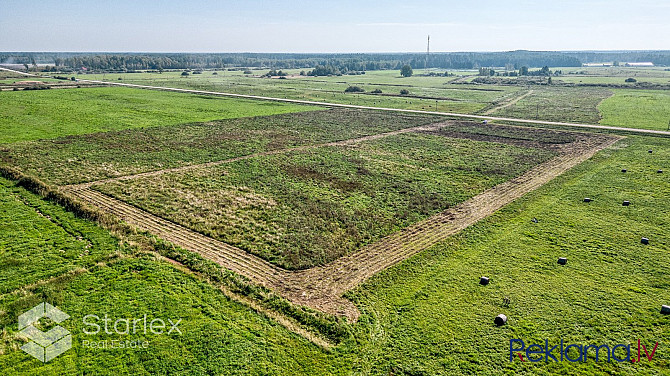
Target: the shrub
(631, 80)
(404, 92)
(184, 74)
(376, 91)
(353, 89)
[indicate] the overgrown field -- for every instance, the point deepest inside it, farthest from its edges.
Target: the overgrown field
(306, 208)
(567, 104)
(81, 158)
(648, 109)
(44, 114)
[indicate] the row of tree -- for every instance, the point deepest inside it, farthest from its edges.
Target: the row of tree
(326, 63)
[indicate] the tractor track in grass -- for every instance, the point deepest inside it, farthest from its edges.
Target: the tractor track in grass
(322, 287)
(508, 103)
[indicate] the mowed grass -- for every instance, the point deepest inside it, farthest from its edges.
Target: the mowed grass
(81, 158)
(430, 316)
(571, 104)
(307, 208)
(47, 254)
(46, 114)
(40, 240)
(646, 109)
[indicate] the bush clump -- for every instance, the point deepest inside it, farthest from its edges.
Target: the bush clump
(354, 89)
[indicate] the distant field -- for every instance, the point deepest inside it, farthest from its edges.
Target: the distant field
(648, 109)
(612, 80)
(302, 209)
(571, 104)
(451, 98)
(82, 158)
(45, 114)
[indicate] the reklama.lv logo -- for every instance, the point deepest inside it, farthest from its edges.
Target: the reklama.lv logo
(577, 353)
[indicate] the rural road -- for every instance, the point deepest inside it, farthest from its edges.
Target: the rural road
(298, 101)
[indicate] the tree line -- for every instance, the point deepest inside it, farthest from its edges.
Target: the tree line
(323, 64)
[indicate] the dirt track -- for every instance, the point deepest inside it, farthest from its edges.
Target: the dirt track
(511, 102)
(322, 287)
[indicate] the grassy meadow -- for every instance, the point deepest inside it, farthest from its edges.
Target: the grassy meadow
(46, 114)
(647, 109)
(425, 316)
(82, 158)
(307, 208)
(424, 91)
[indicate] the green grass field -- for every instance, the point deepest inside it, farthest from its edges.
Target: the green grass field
(578, 104)
(425, 316)
(81, 158)
(307, 208)
(450, 98)
(45, 114)
(648, 109)
(47, 254)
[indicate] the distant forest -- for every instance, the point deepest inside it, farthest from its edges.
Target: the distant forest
(335, 62)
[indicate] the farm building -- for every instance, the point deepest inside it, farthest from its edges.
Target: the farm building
(643, 64)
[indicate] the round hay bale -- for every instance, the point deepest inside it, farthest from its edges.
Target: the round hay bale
(650, 151)
(644, 241)
(626, 203)
(665, 310)
(659, 171)
(501, 319)
(587, 199)
(484, 281)
(623, 170)
(562, 260)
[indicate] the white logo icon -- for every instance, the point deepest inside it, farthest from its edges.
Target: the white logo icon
(45, 345)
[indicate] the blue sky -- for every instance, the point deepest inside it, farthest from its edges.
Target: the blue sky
(332, 26)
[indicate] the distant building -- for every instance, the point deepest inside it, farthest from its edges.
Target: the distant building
(644, 64)
(598, 64)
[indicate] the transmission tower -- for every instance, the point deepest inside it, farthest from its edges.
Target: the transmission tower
(427, 53)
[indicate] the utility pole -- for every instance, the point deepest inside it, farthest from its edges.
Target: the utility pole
(425, 65)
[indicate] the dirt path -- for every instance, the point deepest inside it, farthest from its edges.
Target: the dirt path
(511, 102)
(322, 287)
